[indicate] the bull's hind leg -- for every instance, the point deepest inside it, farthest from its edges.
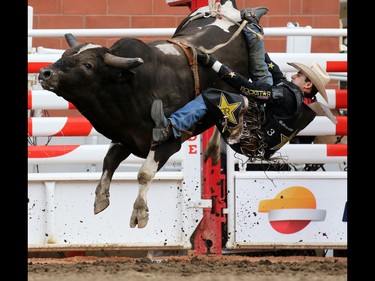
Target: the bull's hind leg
(213, 148)
(115, 155)
(155, 160)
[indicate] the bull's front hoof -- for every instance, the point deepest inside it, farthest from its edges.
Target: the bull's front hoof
(140, 218)
(100, 204)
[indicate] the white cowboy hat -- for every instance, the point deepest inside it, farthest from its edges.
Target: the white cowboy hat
(317, 75)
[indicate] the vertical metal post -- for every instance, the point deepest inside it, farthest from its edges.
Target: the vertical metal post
(208, 235)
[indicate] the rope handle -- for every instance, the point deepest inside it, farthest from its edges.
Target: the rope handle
(215, 11)
(214, 49)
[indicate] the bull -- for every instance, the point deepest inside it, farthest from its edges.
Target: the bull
(115, 87)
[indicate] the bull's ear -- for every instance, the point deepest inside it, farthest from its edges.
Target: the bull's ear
(72, 41)
(121, 62)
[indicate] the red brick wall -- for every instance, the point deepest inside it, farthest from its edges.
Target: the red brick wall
(80, 14)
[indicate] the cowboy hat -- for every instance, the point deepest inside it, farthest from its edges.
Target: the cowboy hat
(317, 75)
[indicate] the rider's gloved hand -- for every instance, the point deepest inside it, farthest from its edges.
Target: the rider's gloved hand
(205, 59)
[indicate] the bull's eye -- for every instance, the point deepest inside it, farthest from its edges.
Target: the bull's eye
(88, 65)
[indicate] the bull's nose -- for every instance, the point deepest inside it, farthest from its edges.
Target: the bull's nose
(44, 74)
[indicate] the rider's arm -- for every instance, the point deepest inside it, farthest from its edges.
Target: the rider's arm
(264, 92)
(241, 83)
(274, 69)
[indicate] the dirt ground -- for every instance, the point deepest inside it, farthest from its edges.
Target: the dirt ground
(188, 267)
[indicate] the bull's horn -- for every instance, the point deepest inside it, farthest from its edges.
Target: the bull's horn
(72, 41)
(121, 62)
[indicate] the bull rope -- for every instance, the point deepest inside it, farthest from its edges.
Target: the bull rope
(234, 36)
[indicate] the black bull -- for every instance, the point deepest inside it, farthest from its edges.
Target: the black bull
(115, 87)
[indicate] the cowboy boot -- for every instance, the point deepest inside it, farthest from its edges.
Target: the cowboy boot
(258, 68)
(253, 15)
(163, 127)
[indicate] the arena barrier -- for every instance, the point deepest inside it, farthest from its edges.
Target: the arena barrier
(66, 153)
(76, 126)
(61, 215)
(331, 62)
(40, 99)
(80, 126)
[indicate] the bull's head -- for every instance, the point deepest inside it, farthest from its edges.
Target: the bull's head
(81, 60)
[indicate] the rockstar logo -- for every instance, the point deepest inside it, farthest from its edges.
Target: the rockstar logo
(284, 140)
(232, 74)
(228, 109)
(271, 65)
